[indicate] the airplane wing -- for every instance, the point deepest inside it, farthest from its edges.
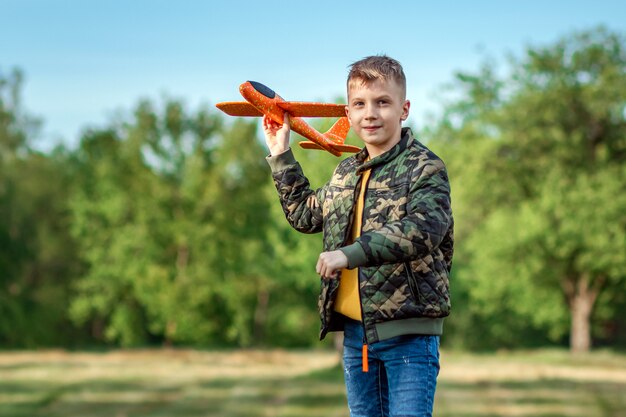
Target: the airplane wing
(238, 108)
(295, 108)
(339, 147)
(309, 109)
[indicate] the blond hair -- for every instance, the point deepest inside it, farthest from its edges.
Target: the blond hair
(376, 67)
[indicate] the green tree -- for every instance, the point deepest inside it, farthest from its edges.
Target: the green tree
(537, 157)
(37, 262)
(143, 217)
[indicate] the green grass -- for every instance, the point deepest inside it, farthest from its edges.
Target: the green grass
(186, 383)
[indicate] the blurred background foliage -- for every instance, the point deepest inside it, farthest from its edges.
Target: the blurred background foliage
(163, 227)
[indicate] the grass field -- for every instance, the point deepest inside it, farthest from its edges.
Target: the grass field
(186, 383)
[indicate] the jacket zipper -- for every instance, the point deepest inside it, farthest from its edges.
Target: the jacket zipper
(358, 186)
(364, 358)
(343, 243)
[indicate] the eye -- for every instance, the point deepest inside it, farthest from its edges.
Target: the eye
(357, 103)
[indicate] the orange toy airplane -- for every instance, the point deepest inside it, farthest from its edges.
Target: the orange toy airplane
(262, 100)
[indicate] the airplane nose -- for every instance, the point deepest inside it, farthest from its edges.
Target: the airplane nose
(266, 91)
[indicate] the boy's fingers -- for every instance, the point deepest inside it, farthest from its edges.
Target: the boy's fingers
(311, 202)
(323, 268)
(319, 267)
(330, 263)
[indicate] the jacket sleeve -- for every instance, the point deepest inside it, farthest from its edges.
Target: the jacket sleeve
(428, 218)
(294, 190)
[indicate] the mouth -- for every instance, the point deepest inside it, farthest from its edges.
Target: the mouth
(371, 128)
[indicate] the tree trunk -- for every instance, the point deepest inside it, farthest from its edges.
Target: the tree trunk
(581, 298)
(97, 329)
(260, 314)
(580, 333)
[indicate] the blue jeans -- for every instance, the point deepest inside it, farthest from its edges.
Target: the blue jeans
(402, 374)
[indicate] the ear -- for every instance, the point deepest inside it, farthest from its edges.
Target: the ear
(405, 110)
(348, 115)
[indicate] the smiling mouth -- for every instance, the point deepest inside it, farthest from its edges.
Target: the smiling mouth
(371, 128)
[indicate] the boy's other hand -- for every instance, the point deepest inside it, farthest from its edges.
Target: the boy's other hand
(276, 135)
(329, 263)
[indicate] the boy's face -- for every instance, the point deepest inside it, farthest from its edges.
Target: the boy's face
(376, 112)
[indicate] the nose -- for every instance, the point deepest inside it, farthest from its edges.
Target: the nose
(370, 112)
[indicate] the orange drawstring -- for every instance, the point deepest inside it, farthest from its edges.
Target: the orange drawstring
(365, 363)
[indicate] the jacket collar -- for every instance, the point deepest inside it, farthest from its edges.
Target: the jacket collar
(384, 158)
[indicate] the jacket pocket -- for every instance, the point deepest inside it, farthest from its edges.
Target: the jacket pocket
(389, 203)
(413, 287)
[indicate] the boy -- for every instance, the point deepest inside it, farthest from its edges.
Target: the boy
(388, 243)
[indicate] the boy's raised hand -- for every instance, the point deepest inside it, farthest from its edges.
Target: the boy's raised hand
(276, 135)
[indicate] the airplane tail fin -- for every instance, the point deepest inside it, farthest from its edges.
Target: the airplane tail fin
(339, 131)
(336, 136)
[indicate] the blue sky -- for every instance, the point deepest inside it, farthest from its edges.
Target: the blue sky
(85, 61)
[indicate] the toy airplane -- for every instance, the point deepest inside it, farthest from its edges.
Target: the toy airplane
(262, 100)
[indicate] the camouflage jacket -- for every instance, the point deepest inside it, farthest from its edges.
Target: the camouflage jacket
(404, 253)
